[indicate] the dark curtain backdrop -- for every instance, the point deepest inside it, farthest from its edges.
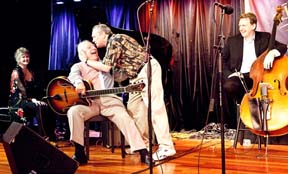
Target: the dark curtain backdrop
(122, 14)
(72, 22)
(192, 67)
(64, 38)
(191, 26)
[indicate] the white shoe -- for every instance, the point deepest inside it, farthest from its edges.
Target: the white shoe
(163, 153)
(129, 152)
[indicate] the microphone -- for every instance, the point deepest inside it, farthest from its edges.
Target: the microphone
(227, 8)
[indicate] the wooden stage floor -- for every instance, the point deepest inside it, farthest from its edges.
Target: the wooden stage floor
(188, 160)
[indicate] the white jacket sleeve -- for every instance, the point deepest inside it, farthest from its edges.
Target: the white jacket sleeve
(75, 74)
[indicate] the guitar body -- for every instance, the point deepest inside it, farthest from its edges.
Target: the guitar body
(62, 95)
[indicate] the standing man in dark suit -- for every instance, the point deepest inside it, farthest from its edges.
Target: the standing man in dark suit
(241, 51)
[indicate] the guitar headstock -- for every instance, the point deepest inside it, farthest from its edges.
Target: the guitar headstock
(137, 87)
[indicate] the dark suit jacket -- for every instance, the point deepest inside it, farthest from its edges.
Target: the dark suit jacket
(233, 50)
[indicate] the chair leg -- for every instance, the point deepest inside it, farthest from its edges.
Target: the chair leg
(86, 138)
(122, 141)
(123, 152)
(105, 133)
(238, 127)
(105, 130)
(236, 134)
(112, 138)
(259, 142)
(240, 131)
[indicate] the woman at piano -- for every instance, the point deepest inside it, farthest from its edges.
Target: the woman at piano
(24, 89)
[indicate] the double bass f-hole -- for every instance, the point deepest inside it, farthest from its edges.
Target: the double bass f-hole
(280, 88)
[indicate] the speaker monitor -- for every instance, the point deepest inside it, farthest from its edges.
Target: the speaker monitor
(27, 152)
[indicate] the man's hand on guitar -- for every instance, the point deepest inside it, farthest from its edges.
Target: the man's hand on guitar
(80, 88)
(38, 103)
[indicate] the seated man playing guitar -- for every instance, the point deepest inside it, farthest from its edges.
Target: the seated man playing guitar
(109, 105)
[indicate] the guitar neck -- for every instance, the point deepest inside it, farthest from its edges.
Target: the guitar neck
(94, 93)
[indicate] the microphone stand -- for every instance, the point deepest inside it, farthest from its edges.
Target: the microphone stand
(219, 48)
(147, 49)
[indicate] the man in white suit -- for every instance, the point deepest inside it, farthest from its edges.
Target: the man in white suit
(109, 105)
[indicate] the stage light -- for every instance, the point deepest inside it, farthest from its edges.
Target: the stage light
(59, 2)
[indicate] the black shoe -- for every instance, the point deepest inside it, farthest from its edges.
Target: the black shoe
(81, 159)
(145, 158)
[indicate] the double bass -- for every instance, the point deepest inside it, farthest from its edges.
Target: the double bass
(264, 109)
